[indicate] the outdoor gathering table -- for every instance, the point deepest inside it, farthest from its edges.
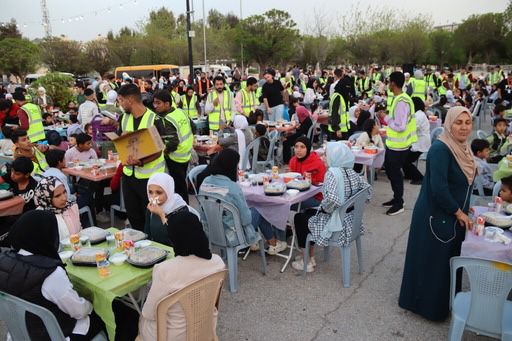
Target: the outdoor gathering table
(122, 282)
(11, 206)
(277, 209)
(503, 170)
(101, 175)
(479, 247)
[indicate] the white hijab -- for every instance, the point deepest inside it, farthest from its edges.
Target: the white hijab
(43, 96)
(174, 201)
(240, 123)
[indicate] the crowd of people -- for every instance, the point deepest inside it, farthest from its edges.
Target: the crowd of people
(385, 108)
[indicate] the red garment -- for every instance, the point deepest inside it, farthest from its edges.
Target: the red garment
(23, 117)
(314, 165)
(115, 182)
(9, 115)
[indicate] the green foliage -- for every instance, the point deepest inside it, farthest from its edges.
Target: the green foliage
(9, 30)
(58, 86)
(64, 55)
(98, 56)
(18, 56)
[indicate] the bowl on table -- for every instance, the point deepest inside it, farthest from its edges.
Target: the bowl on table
(371, 150)
(118, 258)
(292, 192)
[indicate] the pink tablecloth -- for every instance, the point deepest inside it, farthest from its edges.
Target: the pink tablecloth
(275, 209)
(371, 160)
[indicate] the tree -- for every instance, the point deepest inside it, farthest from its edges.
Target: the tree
(98, 56)
(161, 23)
(64, 55)
(58, 86)
(268, 38)
(9, 30)
(412, 42)
(18, 56)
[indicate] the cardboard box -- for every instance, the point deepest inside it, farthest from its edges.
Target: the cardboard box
(137, 144)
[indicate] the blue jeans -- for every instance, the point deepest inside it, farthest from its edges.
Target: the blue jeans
(308, 203)
(276, 113)
(266, 228)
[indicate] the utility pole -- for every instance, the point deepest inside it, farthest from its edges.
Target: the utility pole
(190, 34)
(46, 19)
(204, 39)
(241, 43)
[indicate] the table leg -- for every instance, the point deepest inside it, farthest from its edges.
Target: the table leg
(370, 174)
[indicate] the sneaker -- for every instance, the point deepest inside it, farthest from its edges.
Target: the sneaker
(255, 246)
(311, 259)
(280, 246)
(395, 209)
(102, 217)
(389, 203)
(299, 265)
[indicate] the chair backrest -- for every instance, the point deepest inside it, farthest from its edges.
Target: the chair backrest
(198, 301)
(435, 110)
(251, 151)
(353, 138)
(490, 283)
(87, 210)
(357, 201)
(13, 311)
(311, 132)
(476, 108)
(496, 189)
(192, 176)
(434, 134)
(479, 185)
(481, 134)
(213, 208)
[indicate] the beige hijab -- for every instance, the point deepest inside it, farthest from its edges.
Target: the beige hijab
(460, 150)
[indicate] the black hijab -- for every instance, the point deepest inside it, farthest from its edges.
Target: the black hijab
(303, 139)
(187, 236)
(225, 163)
(363, 116)
(37, 232)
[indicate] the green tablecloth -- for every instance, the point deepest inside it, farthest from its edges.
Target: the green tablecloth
(123, 280)
(503, 170)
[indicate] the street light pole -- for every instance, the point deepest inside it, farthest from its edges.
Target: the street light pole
(241, 42)
(204, 39)
(190, 34)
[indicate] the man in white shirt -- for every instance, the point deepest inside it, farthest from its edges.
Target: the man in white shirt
(87, 109)
(338, 73)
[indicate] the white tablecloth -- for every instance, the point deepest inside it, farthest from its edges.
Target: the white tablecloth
(371, 160)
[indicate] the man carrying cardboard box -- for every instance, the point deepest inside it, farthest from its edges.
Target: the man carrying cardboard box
(137, 172)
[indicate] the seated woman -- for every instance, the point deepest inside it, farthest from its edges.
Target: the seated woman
(370, 135)
(240, 135)
(50, 195)
(304, 118)
(193, 261)
(33, 271)
(162, 208)
(341, 183)
(306, 161)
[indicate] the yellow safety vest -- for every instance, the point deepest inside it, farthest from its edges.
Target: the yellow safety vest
(35, 122)
(404, 139)
(179, 119)
(466, 79)
(342, 112)
(150, 168)
(190, 109)
(419, 87)
(376, 77)
(41, 165)
(175, 99)
(243, 85)
(363, 85)
(248, 101)
(429, 80)
(214, 116)
(389, 99)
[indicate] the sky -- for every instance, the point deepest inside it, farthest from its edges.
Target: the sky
(85, 20)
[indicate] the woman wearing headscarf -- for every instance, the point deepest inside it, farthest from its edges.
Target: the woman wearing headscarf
(305, 122)
(43, 100)
(33, 271)
(163, 206)
(193, 261)
(239, 138)
(341, 183)
(439, 219)
(50, 195)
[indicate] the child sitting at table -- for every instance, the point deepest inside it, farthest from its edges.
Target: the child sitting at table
(21, 182)
(55, 160)
(48, 119)
(370, 135)
(50, 195)
(260, 130)
(480, 149)
(506, 189)
(82, 151)
(72, 140)
(498, 141)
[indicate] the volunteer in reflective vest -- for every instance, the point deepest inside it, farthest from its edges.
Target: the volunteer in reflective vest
(419, 86)
(190, 104)
(137, 172)
(401, 134)
(364, 84)
(219, 104)
(26, 148)
(203, 86)
(178, 139)
(245, 99)
(30, 118)
(462, 80)
(338, 112)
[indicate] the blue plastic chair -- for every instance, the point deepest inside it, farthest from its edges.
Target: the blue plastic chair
(497, 188)
(434, 134)
(481, 134)
(192, 176)
(358, 202)
(484, 309)
(213, 209)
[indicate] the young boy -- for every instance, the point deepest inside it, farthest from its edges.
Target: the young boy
(72, 140)
(506, 189)
(23, 147)
(48, 119)
(480, 149)
(261, 131)
(55, 160)
(82, 151)
(498, 141)
(21, 182)
(74, 127)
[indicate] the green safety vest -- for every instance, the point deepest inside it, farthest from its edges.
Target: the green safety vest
(303, 86)
(175, 99)
(404, 139)
(466, 79)
(376, 77)
(389, 99)
(322, 81)
(214, 116)
(179, 119)
(441, 89)
(363, 85)
(150, 168)
(342, 112)
(429, 79)
(243, 85)
(41, 165)
(190, 109)
(248, 101)
(419, 88)
(259, 91)
(35, 122)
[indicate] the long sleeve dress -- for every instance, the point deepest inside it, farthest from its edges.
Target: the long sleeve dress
(435, 235)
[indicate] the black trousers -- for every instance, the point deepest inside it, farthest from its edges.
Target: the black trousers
(301, 226)
(135, 200)
(394, 162)
(178, 171)
(410, 170)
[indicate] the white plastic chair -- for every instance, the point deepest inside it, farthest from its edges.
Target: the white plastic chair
(118, 208)
(251, 149)
(213, 209)
(358, 202)
(192, 176)
(311, 132)
(87, 210)
(354, 136)
(484, 309)
(434, 134)
(481, 134)
(496, 189)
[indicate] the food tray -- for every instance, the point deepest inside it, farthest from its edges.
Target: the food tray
(96, 234)
(301, 185)
(497, 219)
(274, 189)
(293, 175)
(133, 235)
(4, 194)
(147, 257)
(86, 256)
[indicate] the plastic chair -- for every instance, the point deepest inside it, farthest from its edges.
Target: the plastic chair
(214, 208)
(354, 136)
(478, 184)
(481, 134)
(192, 176)
(198, 301)
(434, 134)
(496, 189)
(484, 309)
(311, 132)
(252, 149)
(358, 202)
(87, 210)
(118, 208)
(435, 111)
